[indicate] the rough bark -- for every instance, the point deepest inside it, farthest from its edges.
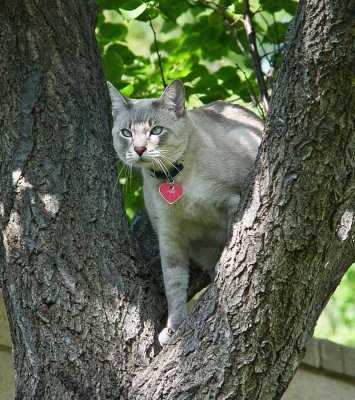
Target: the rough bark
(293, 238)
(82, 304)
(75, 286)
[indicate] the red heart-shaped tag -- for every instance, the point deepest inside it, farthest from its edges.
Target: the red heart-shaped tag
(171, 193)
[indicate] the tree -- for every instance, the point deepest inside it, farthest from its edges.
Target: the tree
(84, 308)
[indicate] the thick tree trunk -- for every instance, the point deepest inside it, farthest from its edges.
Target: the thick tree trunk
(78, 295)
(293, 238)
(83, 306)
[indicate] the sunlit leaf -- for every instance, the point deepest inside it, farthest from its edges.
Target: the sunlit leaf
(127, 90)
(132, 14)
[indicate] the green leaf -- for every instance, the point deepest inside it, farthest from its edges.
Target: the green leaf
(133, 14)
(228, 75)
(132, 191)
(276, 32)
(277, 5)
(107, 4)
(149, 13)
(127, 90)
(128, 4)
(239, 7)
(290, 6)
(125, 53)
(271, 5)
(173, 10)
(113, 31)
(113, 66)
(215, 19)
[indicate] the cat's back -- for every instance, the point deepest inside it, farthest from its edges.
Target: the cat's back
(228, 133)
(221, 116)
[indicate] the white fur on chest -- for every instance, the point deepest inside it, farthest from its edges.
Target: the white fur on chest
(203, 199)
(201, 211)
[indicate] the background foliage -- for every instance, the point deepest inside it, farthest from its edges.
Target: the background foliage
(144, 44)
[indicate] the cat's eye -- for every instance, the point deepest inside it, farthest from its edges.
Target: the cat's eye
(126, 133)
(157, 130)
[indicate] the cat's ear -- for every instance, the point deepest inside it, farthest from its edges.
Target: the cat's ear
(173, 97)
(118, 100)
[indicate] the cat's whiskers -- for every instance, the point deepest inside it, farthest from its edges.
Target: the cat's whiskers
(127, 186)
(154, 162)
(162, 167)
(167, 154)
(124, 166)
(114, 165)
(126, 170)
(166, 157)
(163, 158)
(130, 178)
(154, 165)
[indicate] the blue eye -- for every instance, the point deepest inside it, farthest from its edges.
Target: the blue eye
(157, 130)
(126, 133)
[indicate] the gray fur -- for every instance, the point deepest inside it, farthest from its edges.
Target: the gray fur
(218, 143)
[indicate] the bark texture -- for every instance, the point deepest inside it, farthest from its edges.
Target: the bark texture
(83, 306)
(293, 238)
(75, 286)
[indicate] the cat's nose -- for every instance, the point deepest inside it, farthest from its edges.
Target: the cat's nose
(140, 150)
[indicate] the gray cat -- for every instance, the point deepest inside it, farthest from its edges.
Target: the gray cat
(194, 164)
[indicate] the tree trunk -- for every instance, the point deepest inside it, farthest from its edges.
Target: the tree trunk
(83, 306)
(293, 238)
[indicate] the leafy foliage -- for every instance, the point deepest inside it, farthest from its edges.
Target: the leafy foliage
(203, 43)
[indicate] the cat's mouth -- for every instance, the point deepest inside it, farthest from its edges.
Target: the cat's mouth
(155, 165)
(160, 162)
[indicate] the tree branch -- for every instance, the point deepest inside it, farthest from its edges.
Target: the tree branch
(252, 92)
(286, 254)
(248, 25)
(231, 18)
(158, 53)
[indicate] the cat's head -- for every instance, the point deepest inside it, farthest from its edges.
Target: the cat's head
(150, 133)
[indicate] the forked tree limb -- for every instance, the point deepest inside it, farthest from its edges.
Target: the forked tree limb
(232, 19)
(292, 240)
(84, 309)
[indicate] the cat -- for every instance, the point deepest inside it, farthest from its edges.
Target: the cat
(194, 164)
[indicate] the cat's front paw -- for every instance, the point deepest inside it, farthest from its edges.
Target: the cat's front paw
(165, 336)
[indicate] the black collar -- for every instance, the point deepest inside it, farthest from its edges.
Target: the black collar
(169, 175)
